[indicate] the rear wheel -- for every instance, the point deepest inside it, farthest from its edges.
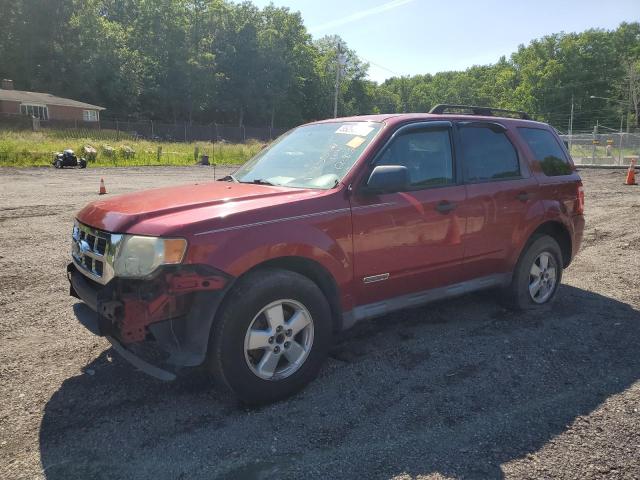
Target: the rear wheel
(270, 337)
(83, 163)
(537, 276)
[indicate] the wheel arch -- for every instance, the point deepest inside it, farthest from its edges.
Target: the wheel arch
(315, 272)
(560, 233)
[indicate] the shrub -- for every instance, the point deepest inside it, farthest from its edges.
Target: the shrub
(127, 152)
(89, 152)
(108, 151)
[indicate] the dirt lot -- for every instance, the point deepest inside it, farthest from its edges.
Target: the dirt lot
(456, 389)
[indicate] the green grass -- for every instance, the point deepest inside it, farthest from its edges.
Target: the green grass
(28, 149)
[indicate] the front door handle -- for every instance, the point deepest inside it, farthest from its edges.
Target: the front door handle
(445, 206)
(523, 196)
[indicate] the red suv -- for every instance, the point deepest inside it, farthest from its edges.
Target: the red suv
(335, 222)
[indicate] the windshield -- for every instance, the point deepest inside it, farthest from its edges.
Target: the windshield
(311, 156)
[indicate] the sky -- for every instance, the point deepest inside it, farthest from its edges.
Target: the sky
(408, 37)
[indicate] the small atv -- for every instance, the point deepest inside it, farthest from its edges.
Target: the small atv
(68, 159)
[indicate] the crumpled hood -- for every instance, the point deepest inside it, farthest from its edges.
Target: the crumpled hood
(171, 209)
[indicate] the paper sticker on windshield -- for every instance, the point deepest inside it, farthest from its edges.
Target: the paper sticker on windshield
(360, 129)
(355, 142)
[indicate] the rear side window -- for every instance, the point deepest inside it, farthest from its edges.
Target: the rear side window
(547, 151)
(426, 154)
(487, 155)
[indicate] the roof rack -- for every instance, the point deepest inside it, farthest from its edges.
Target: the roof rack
(485, 111)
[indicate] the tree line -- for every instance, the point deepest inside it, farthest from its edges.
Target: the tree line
(211, 61)
(543, 78)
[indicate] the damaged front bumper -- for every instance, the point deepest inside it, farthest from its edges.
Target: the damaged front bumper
(160, 324)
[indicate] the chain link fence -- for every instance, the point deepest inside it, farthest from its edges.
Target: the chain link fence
(145, 130)
(604, 149)
(117, 143)
(189, 132)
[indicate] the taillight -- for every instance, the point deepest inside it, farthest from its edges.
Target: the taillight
(579, 210)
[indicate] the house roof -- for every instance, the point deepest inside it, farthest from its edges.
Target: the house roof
(43, 99)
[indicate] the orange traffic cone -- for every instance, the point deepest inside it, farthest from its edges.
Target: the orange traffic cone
(103, 190)
(631, 174)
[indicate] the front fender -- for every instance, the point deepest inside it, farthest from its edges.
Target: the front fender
(327, 242)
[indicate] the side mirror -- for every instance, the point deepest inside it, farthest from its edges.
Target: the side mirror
(388, 178)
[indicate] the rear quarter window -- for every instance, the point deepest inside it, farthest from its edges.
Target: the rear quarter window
(487, 155)
(547, 151)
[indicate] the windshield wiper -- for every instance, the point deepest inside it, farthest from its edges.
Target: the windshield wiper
(229, 178)
(259, 181)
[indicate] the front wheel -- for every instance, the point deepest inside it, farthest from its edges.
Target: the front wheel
(537, 275)
(57, 164)
(270, 337)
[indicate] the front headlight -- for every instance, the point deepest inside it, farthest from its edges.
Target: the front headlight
(139, 256)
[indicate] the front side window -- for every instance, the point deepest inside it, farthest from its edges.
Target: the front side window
(487, 155)
(427, 155)
(311, 156)
(547, 151)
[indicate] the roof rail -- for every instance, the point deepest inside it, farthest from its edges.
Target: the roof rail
(486, 111)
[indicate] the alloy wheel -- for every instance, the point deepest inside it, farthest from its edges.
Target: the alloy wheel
(278, 340)
(543, 277)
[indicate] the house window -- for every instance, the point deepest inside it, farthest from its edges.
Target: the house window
(39, 111)
(90, 115)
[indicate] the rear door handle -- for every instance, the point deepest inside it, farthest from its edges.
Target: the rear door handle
(445, 206)
(523, 196)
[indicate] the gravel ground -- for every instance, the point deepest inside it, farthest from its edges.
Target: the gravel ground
(462, 389)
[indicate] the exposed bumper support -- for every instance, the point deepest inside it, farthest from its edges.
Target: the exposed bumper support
(141, 364)
(182, 340)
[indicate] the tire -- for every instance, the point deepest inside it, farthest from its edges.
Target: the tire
(523, 293)
(242, 323)
(83, 164)
(57, 164)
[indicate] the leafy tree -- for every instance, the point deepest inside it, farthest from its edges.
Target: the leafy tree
(217, 61)
(354, 70)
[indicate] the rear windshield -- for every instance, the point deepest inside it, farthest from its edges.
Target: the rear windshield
(547, 151)
(311, 156)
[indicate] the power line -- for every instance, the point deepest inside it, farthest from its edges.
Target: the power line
(579, 112)
(381, 66)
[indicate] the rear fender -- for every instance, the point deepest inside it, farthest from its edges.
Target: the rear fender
(534, 216)
(548, 222)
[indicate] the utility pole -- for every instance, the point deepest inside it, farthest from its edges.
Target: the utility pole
(620, 146)
(595, 136)
(335, 95)
(571, 126)
(341, 59)
(627, 122)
